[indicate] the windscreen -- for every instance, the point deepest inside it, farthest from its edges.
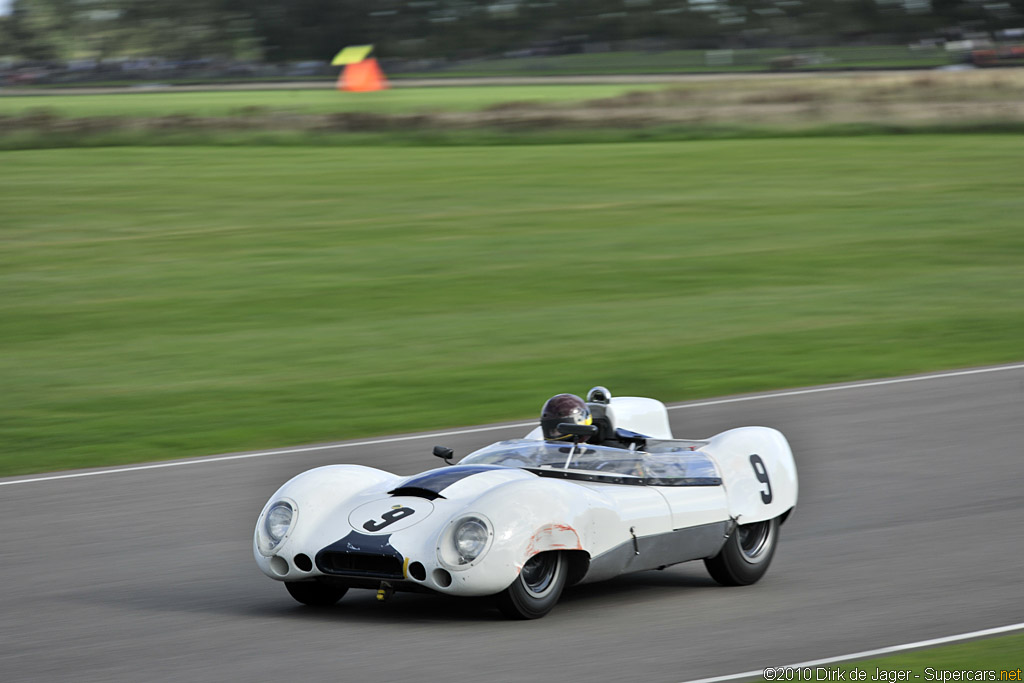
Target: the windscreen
(672, 464)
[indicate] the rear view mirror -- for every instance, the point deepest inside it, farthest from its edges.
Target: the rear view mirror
(444, 452)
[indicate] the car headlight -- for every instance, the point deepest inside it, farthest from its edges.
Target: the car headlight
(470, 539)
(278, 521)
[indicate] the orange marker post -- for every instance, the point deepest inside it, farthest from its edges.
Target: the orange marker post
(363, 76)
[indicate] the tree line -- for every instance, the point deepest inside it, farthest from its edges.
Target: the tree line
(290, 30)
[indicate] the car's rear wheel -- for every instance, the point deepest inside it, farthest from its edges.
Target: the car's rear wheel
(746, 555)
(537, 588)
(314, 593)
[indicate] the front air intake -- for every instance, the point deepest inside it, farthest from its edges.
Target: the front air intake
(359, 564)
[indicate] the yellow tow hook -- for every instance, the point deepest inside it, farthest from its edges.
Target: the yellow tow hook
(385, 591)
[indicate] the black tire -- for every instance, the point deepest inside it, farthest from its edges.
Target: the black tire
(314, 593)
(745, 557)
(537, 588)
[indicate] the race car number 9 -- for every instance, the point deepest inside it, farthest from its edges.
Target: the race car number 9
(761, 472)
(388, 518)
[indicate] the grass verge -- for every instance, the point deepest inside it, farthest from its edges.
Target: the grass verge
(532, 135)
(992, 660)
(139, 104)
(166, 302)
(501, 115)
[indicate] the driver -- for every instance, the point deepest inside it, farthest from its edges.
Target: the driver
(572, 409)
(561, 409)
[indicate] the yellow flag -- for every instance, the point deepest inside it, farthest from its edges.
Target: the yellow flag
(352, 54)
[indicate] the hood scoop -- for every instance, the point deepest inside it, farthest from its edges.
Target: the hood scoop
(415, 492)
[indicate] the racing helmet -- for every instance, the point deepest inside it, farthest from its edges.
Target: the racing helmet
(561, 409)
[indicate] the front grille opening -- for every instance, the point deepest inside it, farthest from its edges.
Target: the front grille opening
(360, 564)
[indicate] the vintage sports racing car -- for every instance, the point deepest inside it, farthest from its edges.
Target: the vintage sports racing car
(609, 491)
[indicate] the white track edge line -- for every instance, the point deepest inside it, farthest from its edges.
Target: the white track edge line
(843, 387)
(866, 654)
(260, 454)
(515, 425)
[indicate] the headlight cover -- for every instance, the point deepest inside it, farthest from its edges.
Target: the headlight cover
(278, 521)
(275, 526)
(470, 539)
(465, 542)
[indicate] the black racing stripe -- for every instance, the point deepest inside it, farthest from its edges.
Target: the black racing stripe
(438, 480)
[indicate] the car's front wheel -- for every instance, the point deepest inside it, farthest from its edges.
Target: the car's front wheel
(314, 593)
(537, 588)
(745, 557)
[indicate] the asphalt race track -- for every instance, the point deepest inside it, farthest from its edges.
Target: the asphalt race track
(908, 528)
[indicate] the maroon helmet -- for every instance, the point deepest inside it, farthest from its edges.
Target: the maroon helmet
(561, 409)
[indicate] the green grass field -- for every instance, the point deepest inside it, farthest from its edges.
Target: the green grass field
(696, 61)
(136, 103)
(1001, 656)
(161, 303)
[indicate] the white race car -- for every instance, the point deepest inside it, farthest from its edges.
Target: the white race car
(523, 519)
